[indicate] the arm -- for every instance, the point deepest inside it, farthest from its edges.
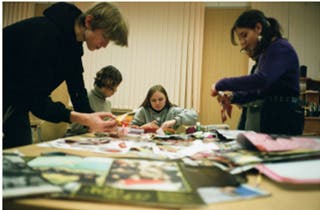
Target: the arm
(97, 106)
(77, 91)
(272, 65)
(139, 117)
(43, 107)
(178, 116)
(95, 121)
(242, 97)
(56, 112)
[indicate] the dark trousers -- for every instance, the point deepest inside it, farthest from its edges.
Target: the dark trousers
(16, 127)
(242, 120)
(282, 118)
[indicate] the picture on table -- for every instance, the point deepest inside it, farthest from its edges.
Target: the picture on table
(146, 175)
(61, 170)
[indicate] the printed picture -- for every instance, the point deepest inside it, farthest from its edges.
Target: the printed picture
(20, 180)
(146, 175)
(70, 169)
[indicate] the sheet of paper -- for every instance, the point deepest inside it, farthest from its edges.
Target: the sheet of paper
(298, 172)
(223, 194)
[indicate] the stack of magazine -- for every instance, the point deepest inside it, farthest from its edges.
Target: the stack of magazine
(116, 180)
(21, 180)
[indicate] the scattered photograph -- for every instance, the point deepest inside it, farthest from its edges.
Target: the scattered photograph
(146, 175)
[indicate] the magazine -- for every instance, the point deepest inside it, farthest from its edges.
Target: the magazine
(132, 181)
(276, 143)
(230, 193)
(20, 180)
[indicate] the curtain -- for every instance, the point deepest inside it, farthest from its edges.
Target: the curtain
(165, 47)
(15, 11)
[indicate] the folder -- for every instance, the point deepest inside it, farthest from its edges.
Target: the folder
(296, 172)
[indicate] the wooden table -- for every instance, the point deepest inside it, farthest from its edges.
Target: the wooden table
(283, 197)
(312, 125)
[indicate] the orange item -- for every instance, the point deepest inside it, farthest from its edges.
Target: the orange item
(150, 129)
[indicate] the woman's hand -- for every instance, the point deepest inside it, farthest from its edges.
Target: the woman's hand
(214, 91)
(225, 102)
(168, 124)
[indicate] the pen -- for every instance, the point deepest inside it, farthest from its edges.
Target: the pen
(276, 136)
(56, 153)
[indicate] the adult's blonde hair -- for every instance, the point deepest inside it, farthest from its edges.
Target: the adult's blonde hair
(107, 17)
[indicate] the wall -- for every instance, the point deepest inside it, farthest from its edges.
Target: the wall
(220, 59)
(300, 22)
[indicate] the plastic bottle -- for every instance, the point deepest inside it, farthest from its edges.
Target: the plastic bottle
(198, 126)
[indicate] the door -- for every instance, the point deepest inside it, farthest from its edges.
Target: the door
(220, 59)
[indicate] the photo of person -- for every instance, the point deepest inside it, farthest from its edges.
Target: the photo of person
(146, 175)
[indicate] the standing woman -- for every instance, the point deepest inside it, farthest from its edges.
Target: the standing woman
(40, 53)
(271, 93)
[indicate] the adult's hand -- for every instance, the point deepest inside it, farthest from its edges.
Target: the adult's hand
(97, 122)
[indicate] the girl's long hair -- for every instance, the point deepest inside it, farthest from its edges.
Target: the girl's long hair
(146, 103)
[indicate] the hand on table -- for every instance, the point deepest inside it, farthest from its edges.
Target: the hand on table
(168, 124)
(150, 125)
(135, 126)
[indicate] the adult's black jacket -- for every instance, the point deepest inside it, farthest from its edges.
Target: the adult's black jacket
(38, 55)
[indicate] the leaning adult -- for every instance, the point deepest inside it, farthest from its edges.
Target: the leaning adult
(40, 53)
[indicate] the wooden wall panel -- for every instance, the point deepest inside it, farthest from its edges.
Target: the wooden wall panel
(220, 59)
